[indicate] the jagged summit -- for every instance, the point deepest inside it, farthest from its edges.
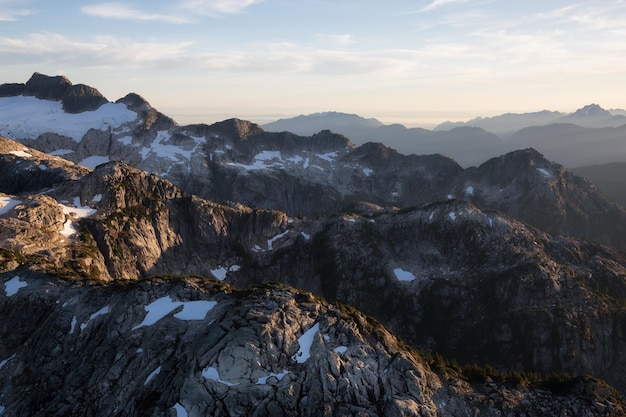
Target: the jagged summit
(237, 128)
(592, 110)
(75, 98)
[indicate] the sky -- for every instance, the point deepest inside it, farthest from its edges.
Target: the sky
(414, 62)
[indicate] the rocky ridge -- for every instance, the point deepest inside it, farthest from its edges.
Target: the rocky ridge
(446, 277)
(198, 347)
(237, 161)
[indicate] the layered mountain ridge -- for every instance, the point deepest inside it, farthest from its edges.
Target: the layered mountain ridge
(590, 135)
(236, 160)
(96, 264)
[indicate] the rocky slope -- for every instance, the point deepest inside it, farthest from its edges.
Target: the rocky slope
(237, 161)
(197, 347)
(446, 277)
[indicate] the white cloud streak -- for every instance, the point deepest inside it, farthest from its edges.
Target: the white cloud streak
(213, 7)
(182, 11)
(115, 10)
(11, 10)
(435, 4)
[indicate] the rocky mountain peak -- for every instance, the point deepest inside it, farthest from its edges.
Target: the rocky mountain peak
(47, 87)
(592, 110)
(75, 98)
(237, 128)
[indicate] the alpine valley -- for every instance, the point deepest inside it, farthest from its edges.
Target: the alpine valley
(152, 269)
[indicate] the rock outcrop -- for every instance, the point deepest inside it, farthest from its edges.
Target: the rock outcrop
(188, 346)
(75, 98)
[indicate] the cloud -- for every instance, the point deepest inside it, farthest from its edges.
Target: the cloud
(343, 39)
(103, 51)
(217, 7)
(125, 11)
(435, 4)
(12, 10)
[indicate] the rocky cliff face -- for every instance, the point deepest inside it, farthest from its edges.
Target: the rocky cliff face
(198, 347)
(446, 277)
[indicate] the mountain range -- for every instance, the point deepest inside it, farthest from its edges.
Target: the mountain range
(151, 269)
(589, 136)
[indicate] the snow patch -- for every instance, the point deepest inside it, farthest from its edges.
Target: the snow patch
(305, 342)
(7, 204)
(280, 376)
(104, 310)
(97, 198)
(469, 191)
(42, 167)
(73, 325)
(93, 161)
(367, 171)
(270, 242)
(152, 375)
(180, 410)
(544, 172)
(452, 215)
(161, 307)
(340, 349)
(4, 362)
(12, 286)
(219, 273)
(21, 154)
(328, 156)
(214, 375)
(76, 212)
(126, 140)
(306, 236)
(403, 275)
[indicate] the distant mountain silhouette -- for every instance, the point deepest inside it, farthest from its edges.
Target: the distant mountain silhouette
(467, 145)
(590, 135)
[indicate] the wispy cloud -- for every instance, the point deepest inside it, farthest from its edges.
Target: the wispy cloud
(342, 39)
(126, 11)
(181, 11)
(435, 4)
(13, 10)
(217, 7)
(102, 51)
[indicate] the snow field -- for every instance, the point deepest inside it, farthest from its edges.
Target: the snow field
(29, 117)
(12, 286)
(161, 307)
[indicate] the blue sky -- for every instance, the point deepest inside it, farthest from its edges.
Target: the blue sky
(416, 62)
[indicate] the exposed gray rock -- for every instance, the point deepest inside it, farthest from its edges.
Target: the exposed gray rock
(79, 98)
(198, 346)
(11, 89)
(446, 277)
(45, 87)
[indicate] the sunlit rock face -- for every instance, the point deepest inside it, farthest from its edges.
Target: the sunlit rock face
(189, 346)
